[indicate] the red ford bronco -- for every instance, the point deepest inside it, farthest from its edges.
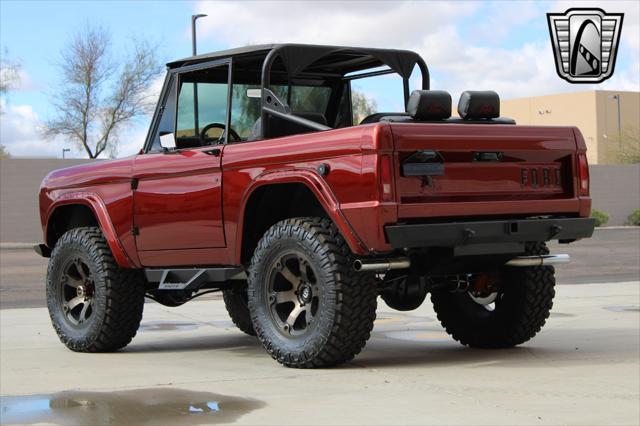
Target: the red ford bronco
(258, 179)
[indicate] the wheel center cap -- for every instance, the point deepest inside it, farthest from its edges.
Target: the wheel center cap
(80, 291)
(305, 294)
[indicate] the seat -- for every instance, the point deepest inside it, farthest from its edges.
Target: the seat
(378, 116)
(279, 127)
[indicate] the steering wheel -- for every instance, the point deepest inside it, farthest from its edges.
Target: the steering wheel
(203, 133)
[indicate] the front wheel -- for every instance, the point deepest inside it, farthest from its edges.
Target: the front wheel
(503, 308)
(94, 305)
(308, 307)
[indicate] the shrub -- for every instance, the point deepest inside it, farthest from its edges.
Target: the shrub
(634, 218)
(601, 217)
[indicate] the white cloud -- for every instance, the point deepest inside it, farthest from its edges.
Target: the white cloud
(381, 24)
(499, 20)
(433, 29)
(20, 133)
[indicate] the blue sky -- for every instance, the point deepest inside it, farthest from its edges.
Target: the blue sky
(502, 46)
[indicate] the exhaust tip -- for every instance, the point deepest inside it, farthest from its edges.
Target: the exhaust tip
(357, 265)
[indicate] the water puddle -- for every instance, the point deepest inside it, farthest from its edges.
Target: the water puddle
(168, 326)
(627, 308)
(153, 406)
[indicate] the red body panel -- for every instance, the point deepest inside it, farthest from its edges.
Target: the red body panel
(177, 203)
(181, 221)
(103, 186)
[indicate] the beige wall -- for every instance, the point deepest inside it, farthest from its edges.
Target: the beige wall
(20, 180)
(593, 112)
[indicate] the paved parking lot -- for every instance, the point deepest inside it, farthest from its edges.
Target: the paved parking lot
(190, 365)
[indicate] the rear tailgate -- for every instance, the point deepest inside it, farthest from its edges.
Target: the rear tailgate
(464, 170)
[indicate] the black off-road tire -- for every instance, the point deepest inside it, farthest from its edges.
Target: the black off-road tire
(522, 310)
(117, 294)
(346, 299)
(237, 304)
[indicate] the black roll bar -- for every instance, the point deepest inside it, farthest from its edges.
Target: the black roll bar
(265, 83)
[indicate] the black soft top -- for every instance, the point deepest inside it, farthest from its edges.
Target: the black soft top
(339, 60)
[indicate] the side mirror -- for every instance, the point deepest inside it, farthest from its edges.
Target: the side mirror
(167, 140)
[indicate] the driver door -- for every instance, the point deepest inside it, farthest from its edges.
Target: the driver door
(178, 192)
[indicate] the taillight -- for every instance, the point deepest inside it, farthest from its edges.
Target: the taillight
(386, 178)
(583, 174)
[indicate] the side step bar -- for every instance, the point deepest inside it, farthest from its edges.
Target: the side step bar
(192, 278)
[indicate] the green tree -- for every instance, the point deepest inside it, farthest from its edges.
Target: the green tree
(362, 106)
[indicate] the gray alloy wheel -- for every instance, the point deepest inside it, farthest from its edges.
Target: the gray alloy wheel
(293, 294)
(308, 306)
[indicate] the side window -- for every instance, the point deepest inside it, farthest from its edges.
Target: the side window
(202, 104)
(167, 122)
(370, 95)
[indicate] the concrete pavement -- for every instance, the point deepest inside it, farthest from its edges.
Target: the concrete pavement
(189, 365)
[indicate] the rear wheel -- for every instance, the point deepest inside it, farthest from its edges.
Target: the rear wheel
(308, 307)
(501, 309)
(94, 305)
(237, 304)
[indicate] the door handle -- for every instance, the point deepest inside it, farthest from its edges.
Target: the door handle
(214, 151)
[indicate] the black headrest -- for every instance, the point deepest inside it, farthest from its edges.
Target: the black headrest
(429, 105)
(479, 104)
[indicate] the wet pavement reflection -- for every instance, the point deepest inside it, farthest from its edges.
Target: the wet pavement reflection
(153, 406)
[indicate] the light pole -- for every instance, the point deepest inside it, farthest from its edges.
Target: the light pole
(617, 98)
(194, 18)
(65, 150)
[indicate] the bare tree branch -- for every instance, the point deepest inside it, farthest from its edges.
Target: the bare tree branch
(9, 75)
(98, 96)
